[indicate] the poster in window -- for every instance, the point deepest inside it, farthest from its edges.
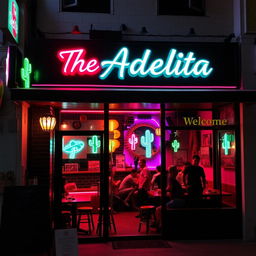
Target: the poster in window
(71, 167)
(120, 162)
(94, 166)
(205, 154)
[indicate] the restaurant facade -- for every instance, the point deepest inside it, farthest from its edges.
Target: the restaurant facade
(89, 110)
(117, 102)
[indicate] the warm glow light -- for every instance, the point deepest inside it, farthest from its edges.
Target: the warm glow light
(158, 131)
(113, 145)
(47, 123)
(113, 125)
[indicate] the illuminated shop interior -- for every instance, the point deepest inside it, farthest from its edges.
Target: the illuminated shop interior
(135, 132)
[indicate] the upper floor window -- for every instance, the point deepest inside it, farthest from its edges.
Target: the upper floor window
(95, 6)
(181, 7)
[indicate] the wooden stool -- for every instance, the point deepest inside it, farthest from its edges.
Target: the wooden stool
(88, 218)
(146, 212)
(111, 220)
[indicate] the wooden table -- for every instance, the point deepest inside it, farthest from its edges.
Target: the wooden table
(75, 198)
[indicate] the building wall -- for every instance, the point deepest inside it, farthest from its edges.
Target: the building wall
(136, 14)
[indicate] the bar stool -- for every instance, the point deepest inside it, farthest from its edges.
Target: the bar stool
(85, 216)
(111, 220)
(146, 213)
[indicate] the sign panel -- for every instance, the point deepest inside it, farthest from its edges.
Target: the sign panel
(13, 19)
(134, 64)
(9, 19)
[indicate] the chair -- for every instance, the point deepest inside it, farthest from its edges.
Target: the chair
(146, 213)
(111, 220)
(85, 216)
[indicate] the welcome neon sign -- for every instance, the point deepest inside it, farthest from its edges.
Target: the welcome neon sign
(176, 65)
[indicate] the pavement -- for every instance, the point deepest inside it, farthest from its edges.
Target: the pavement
(178, 248)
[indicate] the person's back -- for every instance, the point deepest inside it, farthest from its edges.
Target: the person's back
(128, 182)
(194, 178)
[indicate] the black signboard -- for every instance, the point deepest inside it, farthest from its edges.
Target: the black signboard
(134, 64)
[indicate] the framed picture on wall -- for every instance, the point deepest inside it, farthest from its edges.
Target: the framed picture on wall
(206, 140)
(205, 154)
(71, 167)
(180, 157)
(94, 166)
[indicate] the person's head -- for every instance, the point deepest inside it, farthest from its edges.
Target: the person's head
(158, 168)
(134, 173)
(142, 162)
(173, 171)
(196, 160)
(185, 165)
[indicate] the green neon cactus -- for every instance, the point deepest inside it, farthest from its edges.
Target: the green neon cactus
(226, 142)
(25, 72)
(94, 143)
(146, 141)
(175, 145)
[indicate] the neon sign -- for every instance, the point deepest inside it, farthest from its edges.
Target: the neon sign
(146, 141)
(133, 140)
(176, 65)
(94, 143)
(25, 72)
(73, 147)
(175, 145)
(114, 143)
(226, 142)
(75, 64)
(13, 19)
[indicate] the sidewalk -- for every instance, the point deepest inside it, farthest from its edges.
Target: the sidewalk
(179, 248)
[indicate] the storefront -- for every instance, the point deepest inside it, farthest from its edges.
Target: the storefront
(118, 102)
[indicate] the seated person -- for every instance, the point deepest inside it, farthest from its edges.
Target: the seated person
(175, 193)
(128, 186)
(180, 175)
(156, 179)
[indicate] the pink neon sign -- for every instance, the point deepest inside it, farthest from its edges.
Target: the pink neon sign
(74, 63)
(133, 140)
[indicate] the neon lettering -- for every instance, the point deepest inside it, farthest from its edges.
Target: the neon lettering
(176, 65)
(75, 64)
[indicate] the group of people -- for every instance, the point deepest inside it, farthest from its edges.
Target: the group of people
(188, 179)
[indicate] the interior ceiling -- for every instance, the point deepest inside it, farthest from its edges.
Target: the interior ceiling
(127, 106)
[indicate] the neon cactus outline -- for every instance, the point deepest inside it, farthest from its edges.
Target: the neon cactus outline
(146, 141)
(94, 143)
(73, 148)
(175, 145)
(133, 140)
(226, 142)
(25, 72)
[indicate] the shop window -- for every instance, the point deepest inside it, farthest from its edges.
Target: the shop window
(96, 6)
(181, 7)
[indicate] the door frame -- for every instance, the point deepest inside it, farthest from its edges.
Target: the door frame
(58, 184)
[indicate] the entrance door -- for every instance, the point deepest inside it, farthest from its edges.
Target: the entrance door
(78, 182)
